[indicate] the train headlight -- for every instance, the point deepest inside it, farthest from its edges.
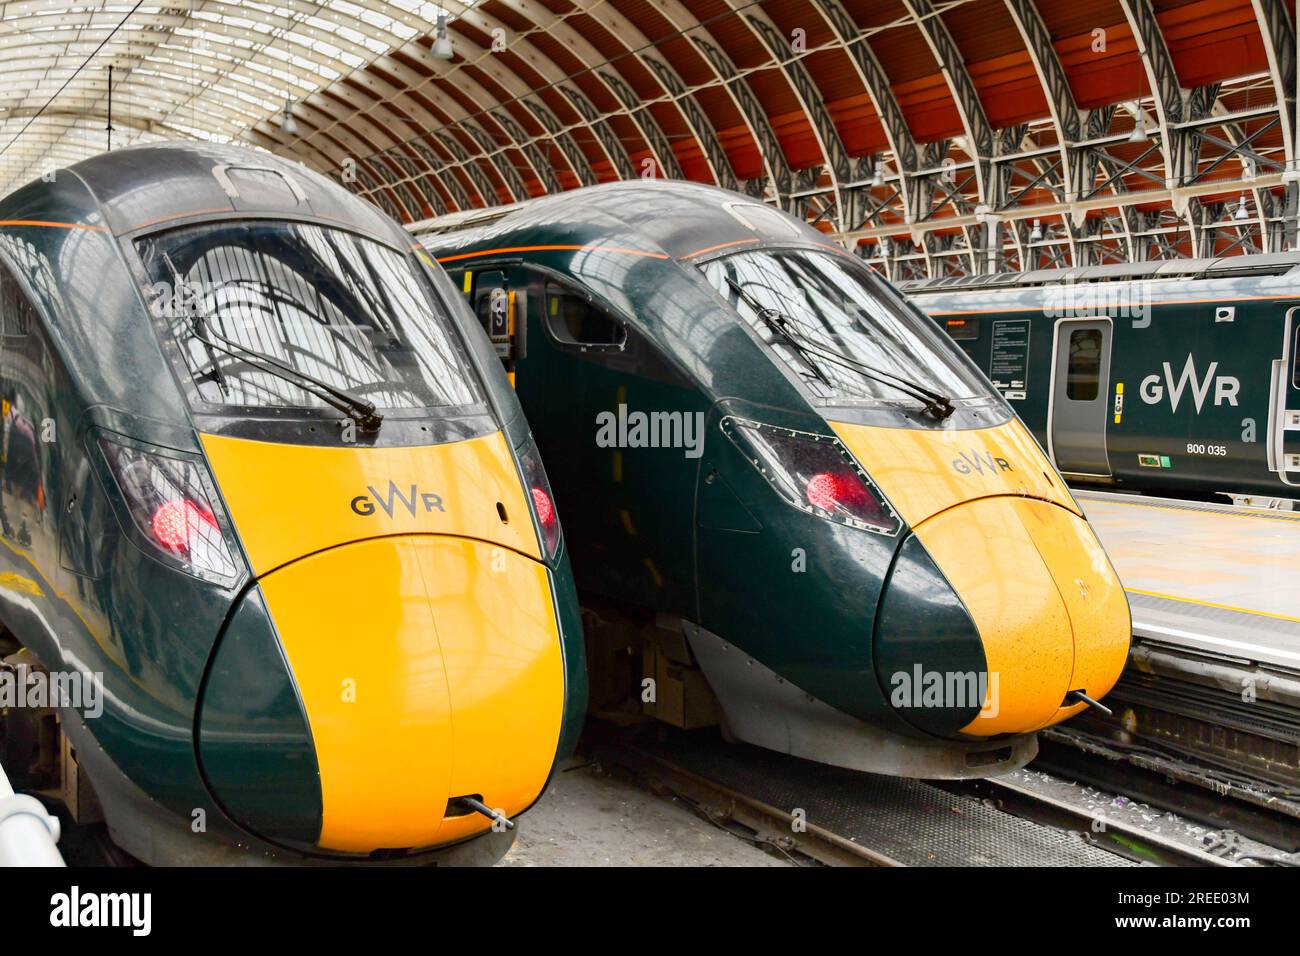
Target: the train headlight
(541, 498)
(815, 473)
(169, 499)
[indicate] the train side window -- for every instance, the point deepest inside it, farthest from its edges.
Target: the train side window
(485, 284)
(574, 320)
(1295, 360)
(1083, 375)
(963, 329)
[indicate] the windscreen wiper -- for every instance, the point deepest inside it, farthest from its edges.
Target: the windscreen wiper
(355, 407)
(774, 321)
(359, 409)
(937, 406)
(178, 295)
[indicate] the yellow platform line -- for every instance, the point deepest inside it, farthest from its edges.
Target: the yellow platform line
(1222, 607)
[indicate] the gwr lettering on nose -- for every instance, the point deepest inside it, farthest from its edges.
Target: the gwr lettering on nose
(979, 462)
(365, 504)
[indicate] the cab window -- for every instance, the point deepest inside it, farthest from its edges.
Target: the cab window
(838, 327)
(328, 304)
(574, 320)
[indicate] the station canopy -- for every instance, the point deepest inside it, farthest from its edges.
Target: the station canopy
(934, 137)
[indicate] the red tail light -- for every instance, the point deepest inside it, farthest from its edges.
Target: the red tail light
(167, 498)
(177, 524)
(545, 509)
(814, 472)
(843, 493)
(543, 502)
(830, 490)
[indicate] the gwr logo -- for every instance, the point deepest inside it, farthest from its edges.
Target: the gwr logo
(364, 505)
(1225, 386)
(980, 462)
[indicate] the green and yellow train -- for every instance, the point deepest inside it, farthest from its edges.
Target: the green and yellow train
(1169, 377)
(269, 506)
(790, 486)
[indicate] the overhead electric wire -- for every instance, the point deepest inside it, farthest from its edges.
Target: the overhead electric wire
(75, 73)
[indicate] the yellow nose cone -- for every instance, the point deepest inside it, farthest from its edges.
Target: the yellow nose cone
(415, 657)
(1051, 614)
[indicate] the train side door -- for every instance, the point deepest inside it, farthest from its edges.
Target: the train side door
(1080, 401)
(498, 298)
(1284, 405)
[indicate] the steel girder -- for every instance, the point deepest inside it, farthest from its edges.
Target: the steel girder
(1278, 34)
(375, 104)
(777, 169)
(696, 119)
(981, 144)
(1170, 99)
(496, 110)
(1069, 120)
(839, 166)
(901, 141)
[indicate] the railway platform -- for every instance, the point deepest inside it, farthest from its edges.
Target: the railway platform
(1214, 673)
(1216, 578)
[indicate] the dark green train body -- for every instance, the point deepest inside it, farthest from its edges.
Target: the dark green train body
(790, 525)
(1162, 377)
(248, 436)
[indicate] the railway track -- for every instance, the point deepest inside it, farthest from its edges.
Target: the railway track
(761, 822)
(1135, 830)
(811, 814)
(817, 814)
(1233, 808)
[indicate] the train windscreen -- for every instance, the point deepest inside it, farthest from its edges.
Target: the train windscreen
(340, 309)
(839, 327)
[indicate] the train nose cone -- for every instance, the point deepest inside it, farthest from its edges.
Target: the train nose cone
(1010, 601)
(253, 740)
(413, 657)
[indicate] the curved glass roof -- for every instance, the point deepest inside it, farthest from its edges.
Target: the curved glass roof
(193, 69)
(936, 137)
